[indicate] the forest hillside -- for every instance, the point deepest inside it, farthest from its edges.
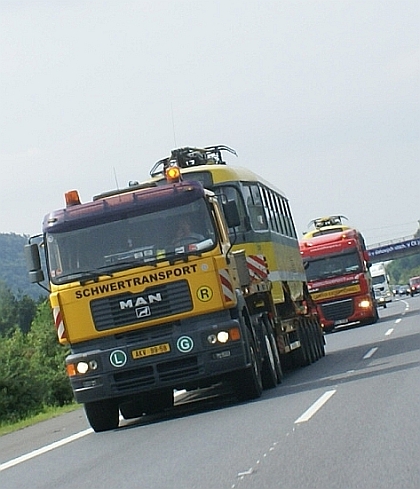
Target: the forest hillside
(13, 272)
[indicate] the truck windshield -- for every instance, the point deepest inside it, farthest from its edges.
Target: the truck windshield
(379, 279)
(89, 252)
(333, 266)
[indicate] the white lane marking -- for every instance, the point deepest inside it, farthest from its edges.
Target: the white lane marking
(390, 330)
(47, 448)
(370, 353)
(316, 406)
(397, 320)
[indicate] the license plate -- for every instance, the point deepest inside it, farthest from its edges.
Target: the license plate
(151, 350)
(341, 321)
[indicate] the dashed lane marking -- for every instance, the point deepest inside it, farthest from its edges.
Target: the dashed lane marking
(370, 353)
(316, 406)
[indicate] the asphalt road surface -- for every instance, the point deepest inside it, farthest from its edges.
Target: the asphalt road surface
(348, 421)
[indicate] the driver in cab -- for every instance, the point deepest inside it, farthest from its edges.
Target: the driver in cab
(185, 234)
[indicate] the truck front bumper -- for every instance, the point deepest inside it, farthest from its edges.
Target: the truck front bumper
(182, 358)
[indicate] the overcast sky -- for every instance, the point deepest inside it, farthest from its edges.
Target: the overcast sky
(321, 98)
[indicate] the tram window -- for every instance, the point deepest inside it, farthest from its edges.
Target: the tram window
(255, 207)
(289, 218)
(266, 205)
(273, 210)
(270, 209)
(277, 213)
(283, 217)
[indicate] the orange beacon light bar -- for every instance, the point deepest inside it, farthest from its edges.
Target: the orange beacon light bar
(173, 174)
(72, 198)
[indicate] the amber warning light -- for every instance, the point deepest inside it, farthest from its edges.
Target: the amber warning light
(72, 198)
(173, 174)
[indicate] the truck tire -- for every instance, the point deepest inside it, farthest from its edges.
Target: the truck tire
(317, 339)
(248, 382)
(312, 341)
(132, 409)
(321, 338)
(102, 415)
(272, 372)
(374, 319)
(268, 371)
(302, 357)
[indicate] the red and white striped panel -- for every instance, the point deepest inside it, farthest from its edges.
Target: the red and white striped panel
(59, 324)
(257, 266)
(227, 288)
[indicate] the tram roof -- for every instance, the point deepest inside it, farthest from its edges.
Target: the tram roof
(228, 173)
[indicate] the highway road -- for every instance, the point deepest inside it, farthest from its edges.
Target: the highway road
(348, 421)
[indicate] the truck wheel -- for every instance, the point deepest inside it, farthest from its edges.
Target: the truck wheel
(248, 383)
(318, 340)
(302, 356)
(132, 409)
(312, 341)
(272, 372)
(269, 371)
(374, 319)
(102, 415)
(321, 338)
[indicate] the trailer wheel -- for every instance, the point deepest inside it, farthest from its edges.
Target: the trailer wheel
(248, 383)
(321, 339)
(317, 340)
(102, 415)
(302, 356)
(268, 372)
(272, 372)
(312, 341)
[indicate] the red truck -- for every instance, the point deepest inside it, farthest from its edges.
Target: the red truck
(414, 283)
(337, 269)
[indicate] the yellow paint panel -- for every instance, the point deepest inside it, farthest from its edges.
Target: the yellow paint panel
(328, 294)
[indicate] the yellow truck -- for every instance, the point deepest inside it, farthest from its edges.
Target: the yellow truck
(155, 287)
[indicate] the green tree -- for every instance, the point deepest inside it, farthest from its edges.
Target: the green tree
(49, 358)
(26, 310)
(32, 369)
(8, 310)
(20, 389)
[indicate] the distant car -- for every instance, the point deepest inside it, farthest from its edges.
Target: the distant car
(402, 290)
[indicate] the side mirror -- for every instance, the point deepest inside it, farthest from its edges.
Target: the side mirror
(33, 263)
(230, 210)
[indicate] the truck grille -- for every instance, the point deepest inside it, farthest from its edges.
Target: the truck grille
(172, 371)
(333, 311)
(153, 303)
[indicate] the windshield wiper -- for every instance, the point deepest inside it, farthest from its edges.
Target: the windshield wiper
(87, 275)
(132, 263)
